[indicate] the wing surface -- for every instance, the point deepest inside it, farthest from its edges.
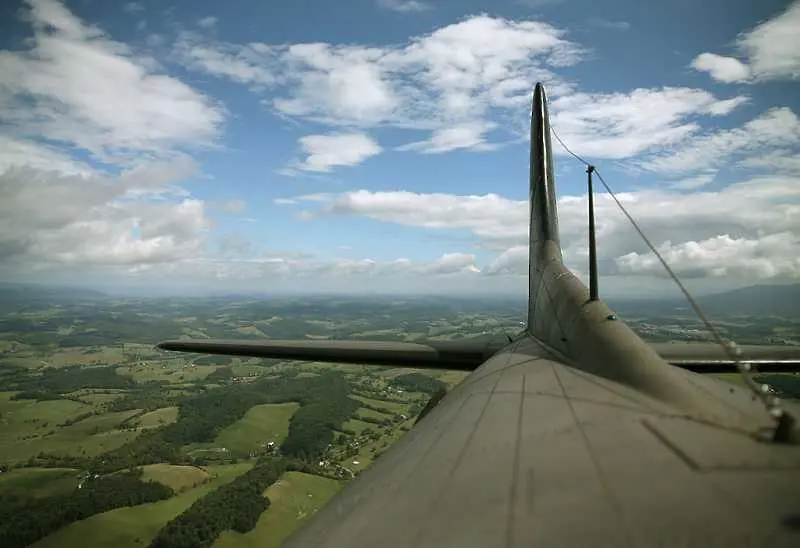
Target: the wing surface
(529, 451)
(454, 355)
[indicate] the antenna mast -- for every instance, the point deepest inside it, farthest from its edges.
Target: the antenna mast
(593, 291)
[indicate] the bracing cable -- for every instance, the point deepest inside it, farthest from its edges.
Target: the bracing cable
(762, 391)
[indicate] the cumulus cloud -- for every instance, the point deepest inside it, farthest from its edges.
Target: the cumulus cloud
(777, 127)
(455, 76)
(466, 85)
(721, 68)
(768, 257)
(698, 181)
(49, 218)
(15, 152)
(763, 211)
(771, 50)
(339, 149)
(78, 78)
(621, 125)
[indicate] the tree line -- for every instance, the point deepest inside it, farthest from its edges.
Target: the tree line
(416, 382)
(324, 401)
(234, 506)
(53, 382)
(25, 521)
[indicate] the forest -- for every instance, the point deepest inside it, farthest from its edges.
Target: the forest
(416, 382)
(53, 382)
(235, 506)
(324, 401)
(23, 521)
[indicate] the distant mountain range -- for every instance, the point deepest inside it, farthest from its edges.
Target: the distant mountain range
(779, 300)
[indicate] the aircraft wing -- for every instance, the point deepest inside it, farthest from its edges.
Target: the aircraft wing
(469, 355)
(457, 355)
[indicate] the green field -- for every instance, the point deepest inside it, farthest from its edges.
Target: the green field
(172, 370)
(452, 378)
(178, 477)
(395, 407)
(97, 397)
(294, 498)
(357, 426)
(165, 415)
(369, 413)
(261, 424)
(38, 482)
(29, 428)
(137, 526)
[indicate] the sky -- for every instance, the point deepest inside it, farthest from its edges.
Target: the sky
(367, 146)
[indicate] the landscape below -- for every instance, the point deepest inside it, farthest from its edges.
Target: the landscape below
(104, 437)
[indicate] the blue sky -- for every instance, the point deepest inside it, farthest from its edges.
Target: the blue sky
(380, 145)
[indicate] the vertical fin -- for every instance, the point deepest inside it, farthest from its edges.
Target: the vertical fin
(543, 212)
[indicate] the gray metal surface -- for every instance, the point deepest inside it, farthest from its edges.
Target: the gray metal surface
(454, 355)
(531, 452)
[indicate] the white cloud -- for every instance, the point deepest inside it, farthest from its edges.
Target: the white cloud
(18, 153)
(452, 263)
(456, 76)
(768, 257)
(459, 82)
(207, 22)
(779, 161)
(777, 127)
(621, 125)
(469, 135)
(249, 64)
(339, 149)
(721, 68)
(698, 181)
(512, 261)
(78, 78)
(763, 210)
(344, 83)
(49, 219)
(405, 6)
(490, 217)
(772, 50)
(773, 47)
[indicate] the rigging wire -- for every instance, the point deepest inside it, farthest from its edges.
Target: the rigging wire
(763, 391)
